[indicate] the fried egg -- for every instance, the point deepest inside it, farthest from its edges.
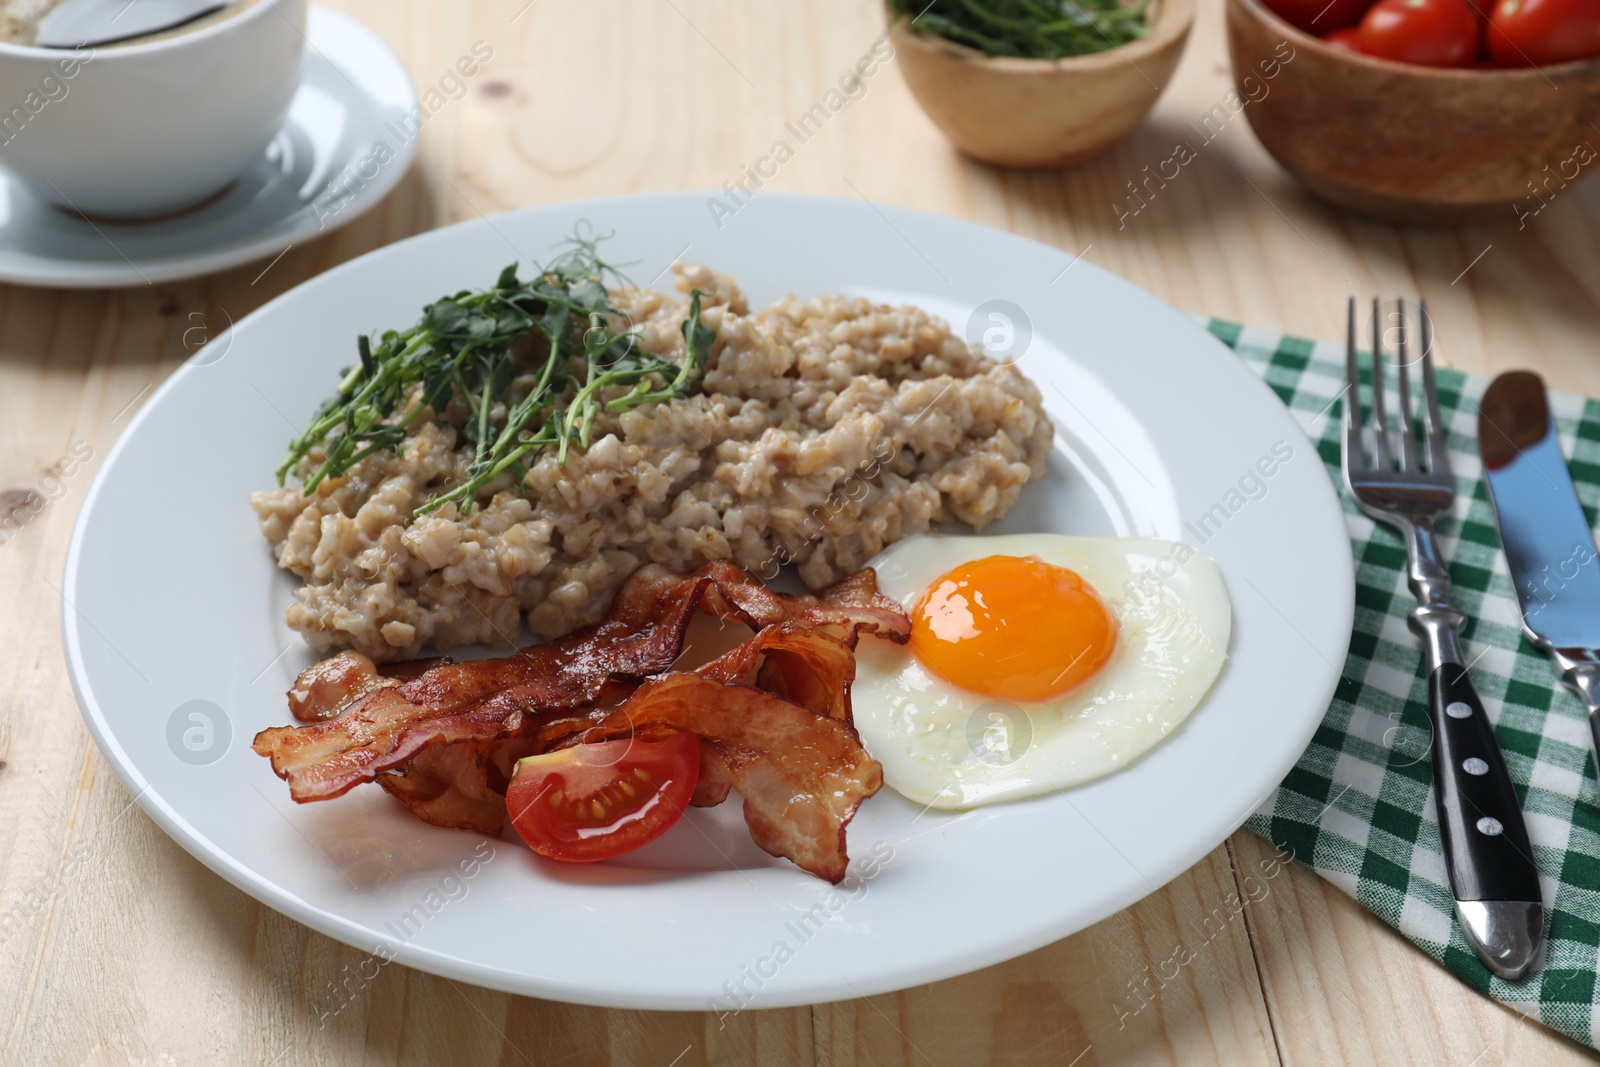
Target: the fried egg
(1036, 661)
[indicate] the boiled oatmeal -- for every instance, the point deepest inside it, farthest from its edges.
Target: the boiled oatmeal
(821, 431)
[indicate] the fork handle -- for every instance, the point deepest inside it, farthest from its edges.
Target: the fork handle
(1480, 822)
(1493, 878)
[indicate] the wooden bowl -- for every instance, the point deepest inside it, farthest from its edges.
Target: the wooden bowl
(1036, 112)
(1414, 144)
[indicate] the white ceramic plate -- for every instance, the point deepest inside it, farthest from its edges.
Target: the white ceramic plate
(313, 178)
(173, 610)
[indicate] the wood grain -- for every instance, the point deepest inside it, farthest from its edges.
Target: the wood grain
(119, 950)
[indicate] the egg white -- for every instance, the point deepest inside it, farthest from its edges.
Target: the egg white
(947, 747)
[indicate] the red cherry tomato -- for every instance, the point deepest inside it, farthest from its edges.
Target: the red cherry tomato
(1524, 33)
(1347, 39)
(593, 802)
(1319, 16)
(1429, 33)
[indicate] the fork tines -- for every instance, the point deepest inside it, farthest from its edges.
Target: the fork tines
(1383, 455)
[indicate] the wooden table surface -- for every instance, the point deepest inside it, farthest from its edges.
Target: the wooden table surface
(117, 948)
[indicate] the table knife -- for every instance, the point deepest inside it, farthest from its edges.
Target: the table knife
(1548, 544)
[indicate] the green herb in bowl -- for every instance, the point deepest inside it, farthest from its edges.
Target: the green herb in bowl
(1029, 29)
(1037, 83)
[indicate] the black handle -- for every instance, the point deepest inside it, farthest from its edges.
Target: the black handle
(1485, 842)
(1594, 732)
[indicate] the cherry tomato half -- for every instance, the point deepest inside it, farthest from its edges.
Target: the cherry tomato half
(1319, 16)
(1429, 33)
(1348, 39)
(593, 802)
(1524, 33)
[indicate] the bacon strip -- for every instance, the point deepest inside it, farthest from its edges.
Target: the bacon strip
(802, 775)
(460, 786)
(852, 604)
(384, 729)
(716, 780)
(329, 685)
(810, 667)
(799, 667)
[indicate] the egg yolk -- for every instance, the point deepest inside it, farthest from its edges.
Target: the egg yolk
(1014, 628)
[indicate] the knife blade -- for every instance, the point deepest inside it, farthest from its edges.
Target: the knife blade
(1548, 544)
(84, 23)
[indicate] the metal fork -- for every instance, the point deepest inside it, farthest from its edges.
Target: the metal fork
(1492, 874)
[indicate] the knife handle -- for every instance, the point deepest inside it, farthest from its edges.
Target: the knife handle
(1480, 822)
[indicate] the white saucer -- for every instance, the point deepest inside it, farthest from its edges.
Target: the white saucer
(321, 172)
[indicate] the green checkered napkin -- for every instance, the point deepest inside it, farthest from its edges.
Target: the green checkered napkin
(1357, 807)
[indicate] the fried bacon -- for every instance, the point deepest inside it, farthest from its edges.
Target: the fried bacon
(326, 687)
(385, 728)
(773, 714)
(851, 604)
(716, 780)
(810, 667)
(460, 786)
(802, 775)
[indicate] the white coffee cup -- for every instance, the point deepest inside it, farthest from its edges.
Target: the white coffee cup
(145, 129)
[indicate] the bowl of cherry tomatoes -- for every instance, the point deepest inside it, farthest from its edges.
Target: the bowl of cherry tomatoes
(1424, 111)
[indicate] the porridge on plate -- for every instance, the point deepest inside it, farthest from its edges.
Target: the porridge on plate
(821, 431)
